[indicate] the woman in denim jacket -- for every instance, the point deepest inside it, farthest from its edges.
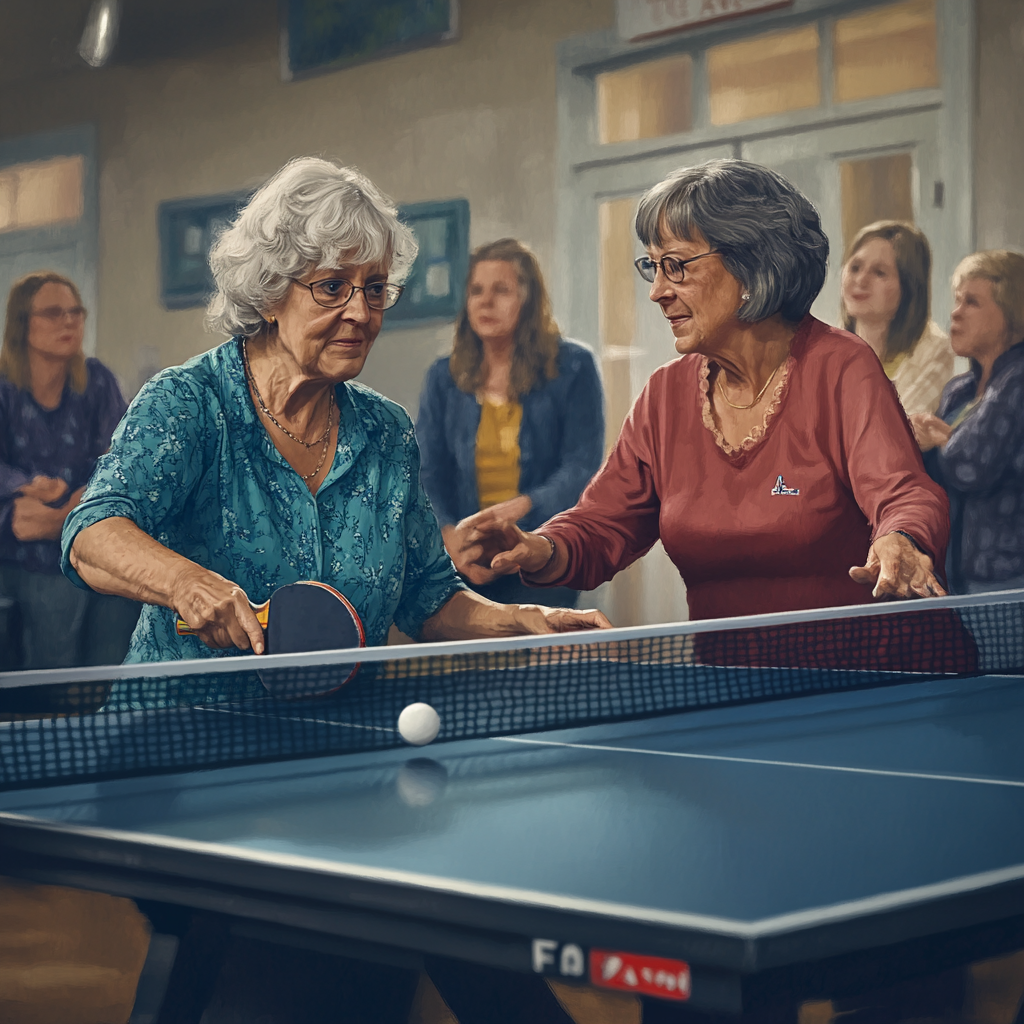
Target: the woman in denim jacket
(512, 421)
(974, 447)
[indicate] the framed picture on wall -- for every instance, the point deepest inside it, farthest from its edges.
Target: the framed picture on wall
(434, 290)
(188, 228)
(318, 36)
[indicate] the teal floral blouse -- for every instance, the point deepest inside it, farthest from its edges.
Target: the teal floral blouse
(193, 467)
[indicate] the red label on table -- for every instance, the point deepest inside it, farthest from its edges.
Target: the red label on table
(645, 975)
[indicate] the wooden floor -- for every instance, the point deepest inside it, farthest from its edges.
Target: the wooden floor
(74, 957)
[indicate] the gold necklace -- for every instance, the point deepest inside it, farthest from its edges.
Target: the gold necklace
(324, 438)
(760, 393)
(263, 407)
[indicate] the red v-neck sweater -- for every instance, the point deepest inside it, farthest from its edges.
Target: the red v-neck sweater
(774, 527)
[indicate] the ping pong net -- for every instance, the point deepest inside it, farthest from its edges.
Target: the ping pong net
(71, 725)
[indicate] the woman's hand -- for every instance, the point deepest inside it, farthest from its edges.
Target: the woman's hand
(46, 489)
(468, 616)
(490, 544)
(33, 517)
(535, 618)
(217, 609)
(929, 431)
(895, 568)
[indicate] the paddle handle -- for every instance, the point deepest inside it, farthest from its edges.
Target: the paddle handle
(262, 615)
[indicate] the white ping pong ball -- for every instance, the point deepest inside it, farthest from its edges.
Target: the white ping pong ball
(419, 724)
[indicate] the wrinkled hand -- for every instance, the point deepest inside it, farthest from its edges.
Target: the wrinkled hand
(33, 518)
(929, 431)
(489, 545)
(895, 568)
(535, 618)
(217, 609)
(46, 489)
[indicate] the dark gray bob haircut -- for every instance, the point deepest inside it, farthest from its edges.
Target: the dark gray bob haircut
(768, 232)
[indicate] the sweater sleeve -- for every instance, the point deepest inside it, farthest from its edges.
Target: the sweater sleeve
(884, 466)
(437, 461)
(581, 447)
(989, 440)
(615, 521)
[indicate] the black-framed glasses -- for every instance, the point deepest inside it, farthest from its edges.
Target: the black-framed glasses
(334, 292)
(671, 266)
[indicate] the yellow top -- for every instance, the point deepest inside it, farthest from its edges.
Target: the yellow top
(497, 452)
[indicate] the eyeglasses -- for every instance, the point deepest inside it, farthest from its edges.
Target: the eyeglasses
(55, 314)
(334, 292)
(674, 269)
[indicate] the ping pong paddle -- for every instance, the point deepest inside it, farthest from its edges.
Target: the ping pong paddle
(305, 616)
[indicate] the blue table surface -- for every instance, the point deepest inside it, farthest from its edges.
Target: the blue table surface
(741, 814)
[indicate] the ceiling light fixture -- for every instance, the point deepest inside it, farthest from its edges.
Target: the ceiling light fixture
(100, 33)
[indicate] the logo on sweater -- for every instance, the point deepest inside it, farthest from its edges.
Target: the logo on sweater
(781, 488)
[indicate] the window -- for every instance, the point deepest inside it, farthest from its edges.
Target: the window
(768, 74)
(33, 195)
(885, 51)
(875, 189)
(645, 101)
(617, 307)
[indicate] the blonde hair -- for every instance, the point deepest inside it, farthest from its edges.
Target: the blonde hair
(535, 353)
(914, 267)
(14, 349)
(1005, 269)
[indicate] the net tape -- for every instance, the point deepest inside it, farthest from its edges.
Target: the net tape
(88, 724)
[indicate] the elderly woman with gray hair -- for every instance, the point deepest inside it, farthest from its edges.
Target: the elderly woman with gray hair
(773, 459)
(261, 462)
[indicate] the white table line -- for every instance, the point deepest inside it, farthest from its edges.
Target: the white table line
(765, 761)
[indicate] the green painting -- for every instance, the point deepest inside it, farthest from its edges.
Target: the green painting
(325, 35)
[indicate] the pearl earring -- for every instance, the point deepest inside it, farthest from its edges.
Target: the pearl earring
(745, 296)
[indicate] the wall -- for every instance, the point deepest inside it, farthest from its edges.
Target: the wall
(475, 118)
(999, 125)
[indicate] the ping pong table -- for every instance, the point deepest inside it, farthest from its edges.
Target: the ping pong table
(730, 857)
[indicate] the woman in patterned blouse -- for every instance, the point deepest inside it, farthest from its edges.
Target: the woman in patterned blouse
(262, 462)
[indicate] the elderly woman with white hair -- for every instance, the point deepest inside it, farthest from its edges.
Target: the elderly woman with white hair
(262, 462)
(773, 459)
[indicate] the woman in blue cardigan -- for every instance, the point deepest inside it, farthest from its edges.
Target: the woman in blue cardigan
(512, 420)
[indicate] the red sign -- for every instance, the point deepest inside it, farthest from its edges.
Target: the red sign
(645, 975)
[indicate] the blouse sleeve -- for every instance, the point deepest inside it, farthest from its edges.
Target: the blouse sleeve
(882, 460)
(615, 521)
(156, 459)
(989, 440)
(581, 448)
(430, 577)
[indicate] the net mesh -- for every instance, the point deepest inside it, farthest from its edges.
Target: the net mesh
(200, 716)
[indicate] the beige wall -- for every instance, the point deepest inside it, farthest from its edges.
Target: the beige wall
(999, 126)
(474, 119)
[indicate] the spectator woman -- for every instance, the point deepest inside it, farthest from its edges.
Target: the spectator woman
(58, 410)
(886, 301)
(975, 445)
(512, 420)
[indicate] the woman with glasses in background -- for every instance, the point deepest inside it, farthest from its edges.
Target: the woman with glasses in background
(773, 459)
(58, 410)
(262, 462)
